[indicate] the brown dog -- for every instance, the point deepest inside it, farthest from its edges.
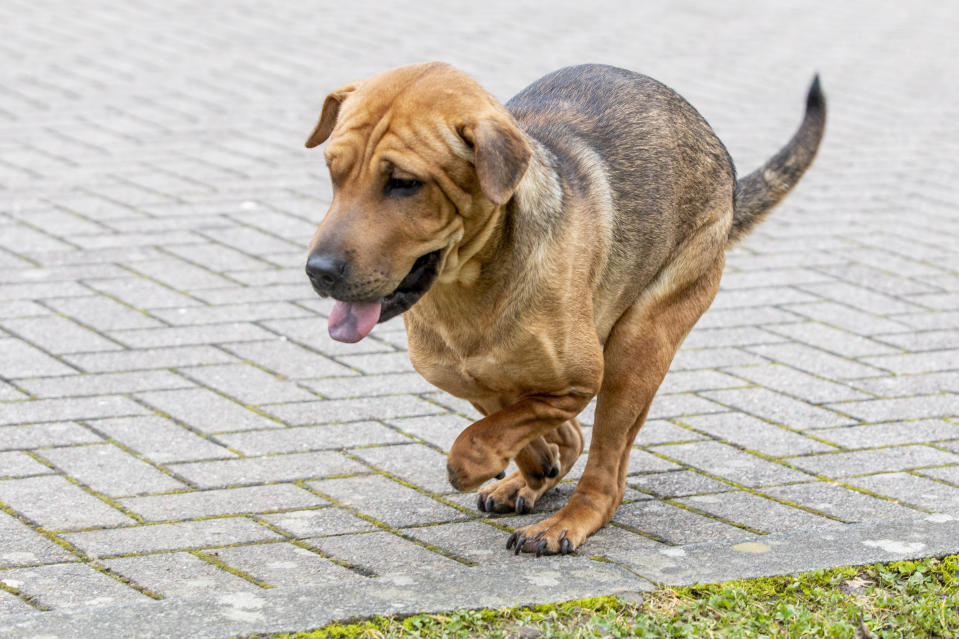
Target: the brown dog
(543, 253)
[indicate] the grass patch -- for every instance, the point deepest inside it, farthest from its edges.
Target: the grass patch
(902, 599)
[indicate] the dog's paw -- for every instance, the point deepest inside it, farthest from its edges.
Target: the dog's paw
(513, 494)
(560, 534)
(469, 465)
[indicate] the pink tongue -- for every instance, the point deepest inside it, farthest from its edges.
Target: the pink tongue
(352, 321)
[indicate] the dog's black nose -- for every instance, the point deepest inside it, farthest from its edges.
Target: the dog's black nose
(325, 272)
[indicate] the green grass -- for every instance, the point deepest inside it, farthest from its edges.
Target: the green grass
(903, 599)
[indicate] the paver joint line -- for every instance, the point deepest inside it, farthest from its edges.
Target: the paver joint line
(185, 452)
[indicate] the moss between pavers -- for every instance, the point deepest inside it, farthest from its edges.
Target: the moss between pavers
(901, 599)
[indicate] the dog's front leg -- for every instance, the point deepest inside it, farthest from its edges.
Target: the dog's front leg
(484, 449)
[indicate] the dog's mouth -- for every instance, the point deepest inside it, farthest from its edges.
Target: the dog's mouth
(352, 321)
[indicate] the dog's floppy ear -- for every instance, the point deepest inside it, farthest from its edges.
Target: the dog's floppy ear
(500, 154)
(331, 108)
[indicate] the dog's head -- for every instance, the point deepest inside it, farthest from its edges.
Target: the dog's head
(419, 156)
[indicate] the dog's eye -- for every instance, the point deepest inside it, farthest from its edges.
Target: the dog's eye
(397, 187)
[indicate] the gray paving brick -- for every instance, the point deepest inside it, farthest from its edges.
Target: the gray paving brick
(657, 431)
(767, 296)
(19, 464)
(913, 363)
(248, 384)
(180, 275)
(387, 501)
(931, 321)
(666, 406)
(206, 411)
(927, 430)
(695, 359)
(56, 504)
(861, 298)
(39, 291)
(11, 604)
(744, 507)
(815, 361)
(22, 546)
(376, 363)
(925, 384)
(42, 435)
(875, 279)
(797, 383)
(344, 410)
(104, 384)
(69, 586)
(102, 313)
(59, 335)
(472, 540)
(379, 384)
(23, 360)
(415, 463)
(732, 464)
(255, 470)
(9, 393)
(778, 408)
(879, 460)
(676, 484)
(313, 332)
(846, 318)
(691, 381)
(878, 410)
(190, 335)
(383, 553)
(141, 293)
(159, 439)
(295, 362)
(319, 522)
(178, 574)
(178, 536)
(218, 257)
(834, 340)
(151, 358)
(305, 438)
(285, 565)
(109, 470)
(251, 312)
(925, 340)
(755, 434)
(675, 525)
(232, 501)
(948, 474)
(910, 489)
(22, 308)
(439, 430)
(848, 505)
(761, 315)
(52, 410)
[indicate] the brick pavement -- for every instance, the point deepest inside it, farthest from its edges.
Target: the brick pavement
(177, 429)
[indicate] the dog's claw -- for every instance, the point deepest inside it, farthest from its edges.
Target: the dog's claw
(519, 545)
(512, 540)
(565, 547)
(521, 506)
(481, 503)
(552, 472)
(490, 504)
(502, 474)
(540, 547)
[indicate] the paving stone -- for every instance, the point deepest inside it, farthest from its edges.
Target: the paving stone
(439, 430)
(184, 535)
(58, 335)
(22, 308)
(102, 313)
(305, 438)
(848, 505)
(11, 604)
(295, 362)
(798, 384)
(756, 512)
(898, 386)
(847, 318)
(319, 522)
(141, 293)
(208, 503)
(778, 408)
(344, 410)
(696, 359)
(387, 501)
(56, 504)
(180, 275)
(52, 410)
(206, 411)
(861, 298)
(875, 410)
(379, 384)
(42, 435)
(19, 464)
(913, 490)
(676, 484)
(949, 474)
(23, 360)
(675, 525)
(755, 434)
(666, 406)
(473, 540)
(657, 431)
(146, 359)
(862, 462)
(255, 470)
(690, 381)
(930, 321)
(178, 574)
(69, 586)
(106, 384)
(313, 332)
(383, 553)
(732, 464)
(190, 335)
(925, 340)
(834, 340)
(926, 430)
(418, 464)
(22, 546)
(815, 361)
(761, 315)
(248, 384)
(285, 565)
(159, 439)
(914, 363)
(377, 363)
(110, 471)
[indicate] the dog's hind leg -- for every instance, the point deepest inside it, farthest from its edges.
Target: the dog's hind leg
(519, 491)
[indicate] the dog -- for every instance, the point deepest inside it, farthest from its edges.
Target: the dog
(543, 253)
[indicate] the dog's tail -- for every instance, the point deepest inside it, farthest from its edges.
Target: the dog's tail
(760, 191)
